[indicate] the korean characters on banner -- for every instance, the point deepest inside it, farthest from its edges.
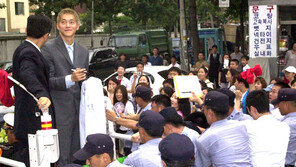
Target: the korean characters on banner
(263, 31)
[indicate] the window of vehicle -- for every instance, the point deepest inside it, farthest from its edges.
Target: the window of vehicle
(126, 41)
(19, 8)
(2, 24)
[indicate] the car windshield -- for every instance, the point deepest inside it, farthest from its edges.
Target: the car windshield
(123, 41)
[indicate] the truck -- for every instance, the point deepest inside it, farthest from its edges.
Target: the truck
(137, 43)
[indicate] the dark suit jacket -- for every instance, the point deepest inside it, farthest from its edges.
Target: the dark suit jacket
(66, 101)
(31, 69)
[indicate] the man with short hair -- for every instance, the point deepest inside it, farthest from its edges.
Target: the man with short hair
(68, 63)
(177, 150)
(136, 75)
(237, 55)
(267, 147)
(225, 142)
(273, 94)
(173, 71)
(174, 62)
(287, 103)
(145, 59)
(122, 80)
(174, 124)
(234, 64)
(159, 102)
(214, 60)
(245, 61)
(31, 69)
(98, 151)
(122, 61)
(155, 59)
(150, 129)
(233, 114)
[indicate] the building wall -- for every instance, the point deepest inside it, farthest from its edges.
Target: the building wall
(3, 13)
(17, 23)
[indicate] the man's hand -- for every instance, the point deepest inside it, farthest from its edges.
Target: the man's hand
(79, 74)
(136, 138)
(111, 115)
(43, 103)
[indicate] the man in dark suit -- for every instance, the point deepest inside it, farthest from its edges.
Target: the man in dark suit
(64, 56)
(31, 69)
(214, 60)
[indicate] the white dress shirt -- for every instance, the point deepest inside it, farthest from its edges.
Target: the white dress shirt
(175, 65)
(268, 140)
(125, 82)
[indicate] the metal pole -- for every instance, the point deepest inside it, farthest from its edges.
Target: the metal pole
(184, 47)
(92, 25)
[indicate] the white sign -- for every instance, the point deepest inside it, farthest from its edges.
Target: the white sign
(185, 85)
(263, 31)
(223, 3)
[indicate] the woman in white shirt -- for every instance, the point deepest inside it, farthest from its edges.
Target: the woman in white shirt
(202, 75)
(122, 107)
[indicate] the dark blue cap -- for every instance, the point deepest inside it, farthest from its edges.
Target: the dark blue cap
(72, 165)
(230, 95)
(285, 94)
(217, 99)
(143, 92)
(176, 147)
(171, 116)
(95, 144)
(150, 120)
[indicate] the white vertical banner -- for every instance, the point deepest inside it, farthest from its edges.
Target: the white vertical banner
(263, 31)
(223, 3)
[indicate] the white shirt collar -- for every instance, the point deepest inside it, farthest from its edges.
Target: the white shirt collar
(33, 44)
(71, 46)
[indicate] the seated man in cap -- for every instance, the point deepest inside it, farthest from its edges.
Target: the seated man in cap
(174, 124)
(225, 142)
(287, 103)
(233, 114)
(151, 129)
(177, 150)
(267, 147)
(98, 151)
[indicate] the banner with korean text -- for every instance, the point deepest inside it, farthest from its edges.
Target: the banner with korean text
(263, 31)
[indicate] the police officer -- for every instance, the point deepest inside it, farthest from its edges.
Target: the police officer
(177, 150)
(98, 151)
(286, 101)
(174, 124)
(225, 141)
(151, 127)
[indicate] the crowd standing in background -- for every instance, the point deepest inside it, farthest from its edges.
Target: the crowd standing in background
(238, 120)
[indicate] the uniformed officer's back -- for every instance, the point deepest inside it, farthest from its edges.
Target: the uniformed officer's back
(151, 129)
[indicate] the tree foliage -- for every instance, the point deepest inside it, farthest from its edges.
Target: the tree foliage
(2, 5)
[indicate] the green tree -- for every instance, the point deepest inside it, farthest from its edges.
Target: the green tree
(238, 10)
(2, 5)
(47, 6)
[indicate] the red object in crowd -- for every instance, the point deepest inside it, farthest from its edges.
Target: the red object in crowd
(5, 85)
(249, 74)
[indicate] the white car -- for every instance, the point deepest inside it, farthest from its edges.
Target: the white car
(153, 72)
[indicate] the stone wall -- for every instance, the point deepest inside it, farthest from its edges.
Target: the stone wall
(8, 44)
